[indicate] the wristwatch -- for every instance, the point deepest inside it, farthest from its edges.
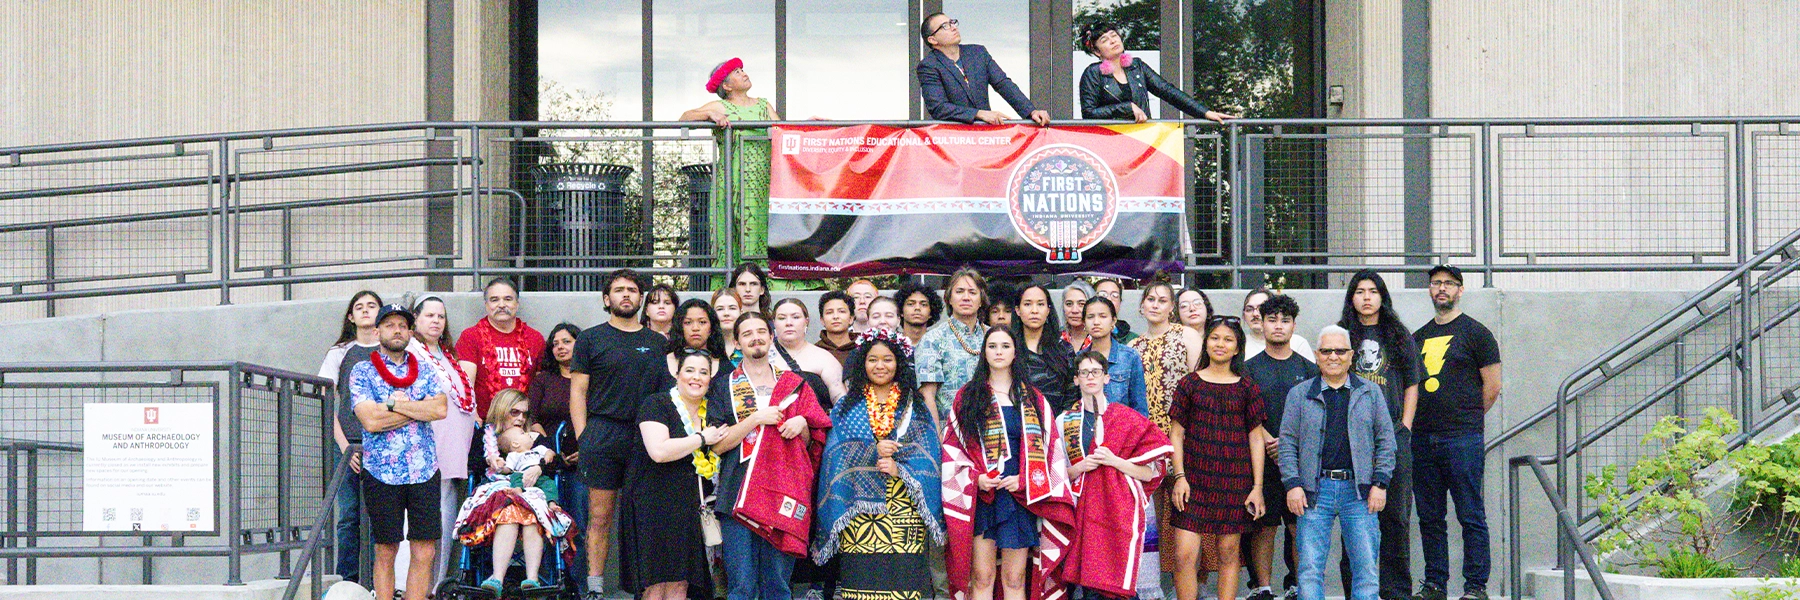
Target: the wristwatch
(389, 404)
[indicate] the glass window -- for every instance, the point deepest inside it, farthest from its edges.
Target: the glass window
(589, 60)
(694, 36)
(848, 60)
(1004, 28)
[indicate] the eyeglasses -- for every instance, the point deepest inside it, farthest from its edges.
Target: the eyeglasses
(949, 23)
(1444, 283)
(1333, 351)
(1091, 372)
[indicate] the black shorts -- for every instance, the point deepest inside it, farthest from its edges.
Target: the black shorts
(606, 449)
(407, 511)
(1275, 510)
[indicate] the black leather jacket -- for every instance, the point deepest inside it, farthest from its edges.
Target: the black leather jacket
(1103, 97)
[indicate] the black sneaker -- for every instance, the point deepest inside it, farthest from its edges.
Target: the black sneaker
(1291, 593)
(1475, 593)
(1261, 594)
(593, 595)
(1429, 592)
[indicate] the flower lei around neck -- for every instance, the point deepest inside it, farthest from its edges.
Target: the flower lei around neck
(412, 370)
(882, 410)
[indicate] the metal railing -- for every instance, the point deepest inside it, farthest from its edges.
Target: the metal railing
(271, 439)
(1730, 346)
(267, 215)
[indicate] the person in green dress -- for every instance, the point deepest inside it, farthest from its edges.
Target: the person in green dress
(747, 177)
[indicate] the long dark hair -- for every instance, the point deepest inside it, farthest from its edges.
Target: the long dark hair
(1236, 325)
(1390, 332)
(1050, 342)
(762, 302)
(976, 400)
(547, 362)
(856, 376)
(715, 339)
(348, 333)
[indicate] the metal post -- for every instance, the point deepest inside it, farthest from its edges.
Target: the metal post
(235, 511)
(1235, 174)
(12, 516)
(148, 576)
(284, 419)
(31, 511)
(477, 209)
(1485, 200)
(49, 269)
(227, 259)
(1514, 579)
(287, 251)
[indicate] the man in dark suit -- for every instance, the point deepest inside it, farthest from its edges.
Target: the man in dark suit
(954, 78)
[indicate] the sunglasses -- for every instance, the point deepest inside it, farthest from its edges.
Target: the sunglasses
(1223, 319)
(1333, 351)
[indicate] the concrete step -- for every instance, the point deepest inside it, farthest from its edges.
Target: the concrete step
(266, 589)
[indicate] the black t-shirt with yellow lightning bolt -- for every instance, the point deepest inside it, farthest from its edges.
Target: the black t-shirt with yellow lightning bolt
(1450, 392)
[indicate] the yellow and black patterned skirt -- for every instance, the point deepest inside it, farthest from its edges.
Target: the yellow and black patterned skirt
(884, 555)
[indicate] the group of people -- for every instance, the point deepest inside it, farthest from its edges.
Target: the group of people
(966, 443)
(954, 79)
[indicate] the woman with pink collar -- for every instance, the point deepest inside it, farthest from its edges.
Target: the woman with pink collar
(1119, 87)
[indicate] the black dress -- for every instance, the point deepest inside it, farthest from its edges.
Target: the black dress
(659, 514)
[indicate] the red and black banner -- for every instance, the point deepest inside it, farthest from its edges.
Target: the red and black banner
(1014, 200)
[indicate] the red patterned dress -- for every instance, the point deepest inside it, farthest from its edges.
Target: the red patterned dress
(1217, 419)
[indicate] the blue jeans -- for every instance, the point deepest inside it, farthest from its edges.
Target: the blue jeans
(1452, 465)
(1339, 501)
(574, 500)
(349, 527)
(753, 568)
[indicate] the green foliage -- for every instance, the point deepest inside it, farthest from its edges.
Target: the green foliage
(1658, 515)
(1770, 590)
(1687, 564)
(1789, 567)
(1139, 21)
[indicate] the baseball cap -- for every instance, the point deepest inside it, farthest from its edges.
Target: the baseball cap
(1452, 271)
(394, 309)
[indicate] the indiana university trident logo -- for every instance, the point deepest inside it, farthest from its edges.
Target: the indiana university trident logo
(1063, 199)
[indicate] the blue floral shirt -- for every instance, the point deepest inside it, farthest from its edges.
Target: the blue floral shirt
(945, 359)
(405, 455)
(1125, 379)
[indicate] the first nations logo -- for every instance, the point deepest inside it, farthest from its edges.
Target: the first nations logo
(1063, 199)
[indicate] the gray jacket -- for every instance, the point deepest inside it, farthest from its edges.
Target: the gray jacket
(1303, 427)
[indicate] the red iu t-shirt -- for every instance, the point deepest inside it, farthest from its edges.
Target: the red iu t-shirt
(502, 360)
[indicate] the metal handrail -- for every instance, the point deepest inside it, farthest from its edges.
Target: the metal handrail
(310, 559)
(1643, 334)
(1565, 528)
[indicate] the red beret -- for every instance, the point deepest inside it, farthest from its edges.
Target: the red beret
(721, 72)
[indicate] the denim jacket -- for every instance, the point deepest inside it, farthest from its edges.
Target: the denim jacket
(1303, 426)
(1125, 379)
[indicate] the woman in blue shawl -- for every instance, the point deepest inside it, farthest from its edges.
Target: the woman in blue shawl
(879, 509)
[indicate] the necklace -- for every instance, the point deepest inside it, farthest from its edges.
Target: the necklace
(412, 370)
(882, 409)
(959, 338)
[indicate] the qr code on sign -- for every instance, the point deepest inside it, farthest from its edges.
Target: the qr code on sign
(137, 514)
(109, 514)
(193, 514)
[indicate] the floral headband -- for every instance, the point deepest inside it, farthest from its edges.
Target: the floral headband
(888, 335)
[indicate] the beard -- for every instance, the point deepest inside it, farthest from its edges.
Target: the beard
(395, 345)
(757, 352)
(621, 311)
(1447, 304)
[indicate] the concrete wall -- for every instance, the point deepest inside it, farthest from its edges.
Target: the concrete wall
(1584, 58)
(1543, 336)
(119, 69)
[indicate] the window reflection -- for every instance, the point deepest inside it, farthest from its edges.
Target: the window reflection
(1004, 28)
(693, 36)
(847, 60)
(589, 47)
